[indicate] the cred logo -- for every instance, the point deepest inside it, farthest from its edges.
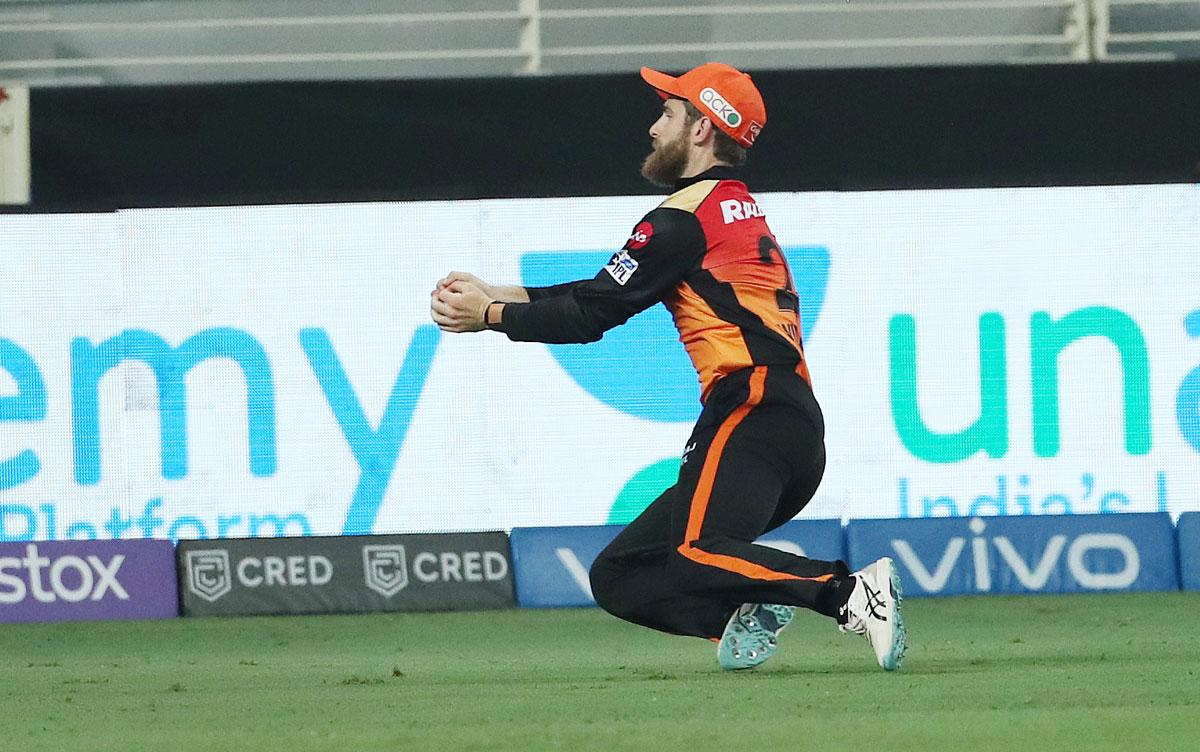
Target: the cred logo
(66, 578)
(384, 569)
(208, 573)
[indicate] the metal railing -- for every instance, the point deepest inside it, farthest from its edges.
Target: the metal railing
(173, 41)
(1073, 34)
(1145, 29)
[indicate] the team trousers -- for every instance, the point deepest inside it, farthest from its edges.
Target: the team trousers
(753, 461)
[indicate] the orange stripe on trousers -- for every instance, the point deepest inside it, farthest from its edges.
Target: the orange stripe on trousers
(703, 494)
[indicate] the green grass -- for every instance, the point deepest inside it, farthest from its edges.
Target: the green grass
(1020, 674)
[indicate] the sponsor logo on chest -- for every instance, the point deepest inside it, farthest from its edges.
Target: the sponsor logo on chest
(734, 210)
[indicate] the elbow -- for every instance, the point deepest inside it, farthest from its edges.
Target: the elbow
(583, 330)
(593, 330)
(591, 335)
(578, 336)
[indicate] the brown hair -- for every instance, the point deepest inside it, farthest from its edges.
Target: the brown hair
(724, 147)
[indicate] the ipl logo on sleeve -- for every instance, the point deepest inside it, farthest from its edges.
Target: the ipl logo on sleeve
(209, 573)
(385, 569)
(621, 267)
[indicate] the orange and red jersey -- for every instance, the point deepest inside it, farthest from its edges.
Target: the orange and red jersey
(707, 254)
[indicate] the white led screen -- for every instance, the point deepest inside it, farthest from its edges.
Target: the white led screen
(273, 370)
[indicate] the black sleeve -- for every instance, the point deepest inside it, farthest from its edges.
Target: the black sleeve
(664, 247)
(538, 293)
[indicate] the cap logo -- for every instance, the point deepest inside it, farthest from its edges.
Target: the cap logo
(724, 111)
(753, 130)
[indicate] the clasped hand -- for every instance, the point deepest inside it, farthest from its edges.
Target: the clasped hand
(459, 303)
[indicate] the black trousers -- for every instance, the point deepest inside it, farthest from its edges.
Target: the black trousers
(753, 461)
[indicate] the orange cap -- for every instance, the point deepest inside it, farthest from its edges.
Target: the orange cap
(723, 93)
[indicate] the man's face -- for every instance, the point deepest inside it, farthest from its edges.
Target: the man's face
(669, 138)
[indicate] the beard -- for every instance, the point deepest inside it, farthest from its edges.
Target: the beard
(666, 163)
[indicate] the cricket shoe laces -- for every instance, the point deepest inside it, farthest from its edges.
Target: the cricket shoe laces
(752, 635)
(873, 610)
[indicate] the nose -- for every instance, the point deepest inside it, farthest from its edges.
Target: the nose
(654, 128)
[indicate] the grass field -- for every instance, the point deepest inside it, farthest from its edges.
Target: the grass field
(1089, 673)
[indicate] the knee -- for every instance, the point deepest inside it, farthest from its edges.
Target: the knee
(604, 576)
(616, 590)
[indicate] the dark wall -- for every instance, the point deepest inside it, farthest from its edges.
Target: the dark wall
(586, 135)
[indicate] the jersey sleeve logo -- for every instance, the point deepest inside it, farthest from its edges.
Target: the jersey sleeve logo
(621, 266)
(640, 237)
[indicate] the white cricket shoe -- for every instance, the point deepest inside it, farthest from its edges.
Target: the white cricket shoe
(874, 612)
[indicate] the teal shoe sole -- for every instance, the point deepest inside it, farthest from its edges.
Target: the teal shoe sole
(899, 645)
(751, 636)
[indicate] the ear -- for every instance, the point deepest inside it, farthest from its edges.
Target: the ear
(702, 131)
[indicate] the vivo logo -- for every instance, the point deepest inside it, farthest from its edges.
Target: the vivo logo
(1032, 573)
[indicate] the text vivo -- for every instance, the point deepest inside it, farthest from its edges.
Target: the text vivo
(1032, 575)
